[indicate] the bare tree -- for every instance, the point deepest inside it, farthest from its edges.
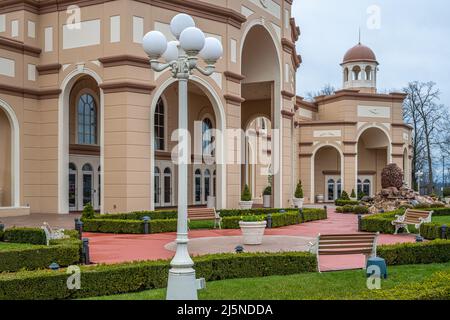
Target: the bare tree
(426, 116)
(327, 90)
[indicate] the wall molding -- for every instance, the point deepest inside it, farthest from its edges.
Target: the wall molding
(48, 68)
(233, 77)
(30, 93)
(232, 99)
(19, 47)
(127, 86)
(125, 60)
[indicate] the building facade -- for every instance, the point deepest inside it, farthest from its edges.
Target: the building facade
(83, 119)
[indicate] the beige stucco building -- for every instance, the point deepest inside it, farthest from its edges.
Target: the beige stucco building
(83, 119)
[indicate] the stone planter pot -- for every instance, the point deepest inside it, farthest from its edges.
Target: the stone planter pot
(211, 203)
(320, 198)
(245, 205)
(267, 201)
(253, 232)
(298, 202)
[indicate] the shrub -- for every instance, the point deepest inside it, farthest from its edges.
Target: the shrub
(341, 203)
(88, 212)
(299, 190)
(345, 196)
(285, 219)
(239, 212)
(314, 215)
(392, 176)
(65, 252)
(436, 287)
(133, 277)
(154, 215)
(246, 194)
(361, 195)
(380, 222)
(252, 218)
(437, 251)
(115, 226)
(360, 210)
(267, 191)
(353, 195)
(25, 235)
(432, 231)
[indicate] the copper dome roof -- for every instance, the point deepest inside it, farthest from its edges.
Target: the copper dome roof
(360, 53)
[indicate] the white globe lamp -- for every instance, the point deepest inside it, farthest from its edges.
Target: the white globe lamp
(171, 53)
(154, 44)
(192, 40)
(179, 23)
(212, 51)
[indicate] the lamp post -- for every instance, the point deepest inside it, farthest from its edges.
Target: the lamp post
(181, 57)
(419, 177)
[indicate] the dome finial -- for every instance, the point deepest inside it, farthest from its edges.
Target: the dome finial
(359, 39)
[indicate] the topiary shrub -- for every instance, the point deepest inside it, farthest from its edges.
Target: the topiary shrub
(353, 195)
(299, 190)
(392, 176)
(88, 212)
(246, 194)
(345, 196)
(267, 191)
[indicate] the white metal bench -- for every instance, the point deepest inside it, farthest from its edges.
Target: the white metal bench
(52, 234)
(412, 217)
(205, 214)
(345, 244)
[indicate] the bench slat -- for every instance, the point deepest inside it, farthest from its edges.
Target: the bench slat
(344, 252)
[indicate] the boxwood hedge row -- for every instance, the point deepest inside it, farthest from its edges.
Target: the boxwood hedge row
(134, 277)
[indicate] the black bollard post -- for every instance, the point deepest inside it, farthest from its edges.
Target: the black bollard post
(359, 222)
(146, 225)
(85, 252)
(301, 216)
(269, 221)
(444, 232)
(79, 227)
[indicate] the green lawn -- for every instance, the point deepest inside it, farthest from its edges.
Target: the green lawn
(311, 286)
(442, 219)
(12, 246)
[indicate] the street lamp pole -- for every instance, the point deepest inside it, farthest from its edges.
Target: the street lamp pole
(181, 57)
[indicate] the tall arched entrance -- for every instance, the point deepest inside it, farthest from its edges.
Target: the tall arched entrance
(9, 157)
(206, 173)
(374, 154)
(327, 174)
(261, 89)
(80, 143)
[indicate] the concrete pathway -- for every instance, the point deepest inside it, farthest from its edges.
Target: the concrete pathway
(109, 249)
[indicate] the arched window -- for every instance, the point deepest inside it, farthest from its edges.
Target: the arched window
(368, 73)
(157, 187)
(167, 186)
(356, 73)
(207, 184)
(160, 141)
(87, 168)
(198, 186)
(360, 186)
(207, 138)
(339, 188)
(87, 120)
(346, 74)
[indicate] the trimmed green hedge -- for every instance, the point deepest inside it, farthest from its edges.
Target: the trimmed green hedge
(437, 287)
(251, 212)
(341, 203)
(65, 252)
(437, 251)
(135, 277)
(432, 231)
(154, 215)
(116, 226)
(289, 218)
(25, 235)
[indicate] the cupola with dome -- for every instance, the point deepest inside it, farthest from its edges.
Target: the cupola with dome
(360, 67)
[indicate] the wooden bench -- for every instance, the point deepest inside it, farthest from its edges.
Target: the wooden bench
(345, 244)
(412, 217)
(205, 214)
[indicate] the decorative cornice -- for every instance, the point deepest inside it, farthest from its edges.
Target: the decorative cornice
(327, 123)
(306, 144)
(19, 47)
(288, 95)
(84, 150)
(126, 86)
(398, 155)
(305, 155)
(233, 77)
(295, 30)
(289, 47)
(193, 7)
(349, 143)
(287, 114)
(350, 154)
(395, 144)
(403, 125)
(125, 60)
(30, 93)
(301, 103)
(48, 68)
(349, 94)
(232, 99)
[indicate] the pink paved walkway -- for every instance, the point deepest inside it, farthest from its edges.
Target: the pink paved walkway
(109, 249)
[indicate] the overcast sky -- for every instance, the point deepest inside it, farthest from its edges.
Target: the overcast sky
(412, 43)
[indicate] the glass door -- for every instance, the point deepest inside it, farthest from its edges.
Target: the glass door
(72, 187)
(87, 184)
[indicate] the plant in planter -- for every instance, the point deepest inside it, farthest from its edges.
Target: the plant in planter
(246, 202)
(252, 228)
(267, 196)
(298, 196)
(88, 212)
(353, 196)
(345, 196)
